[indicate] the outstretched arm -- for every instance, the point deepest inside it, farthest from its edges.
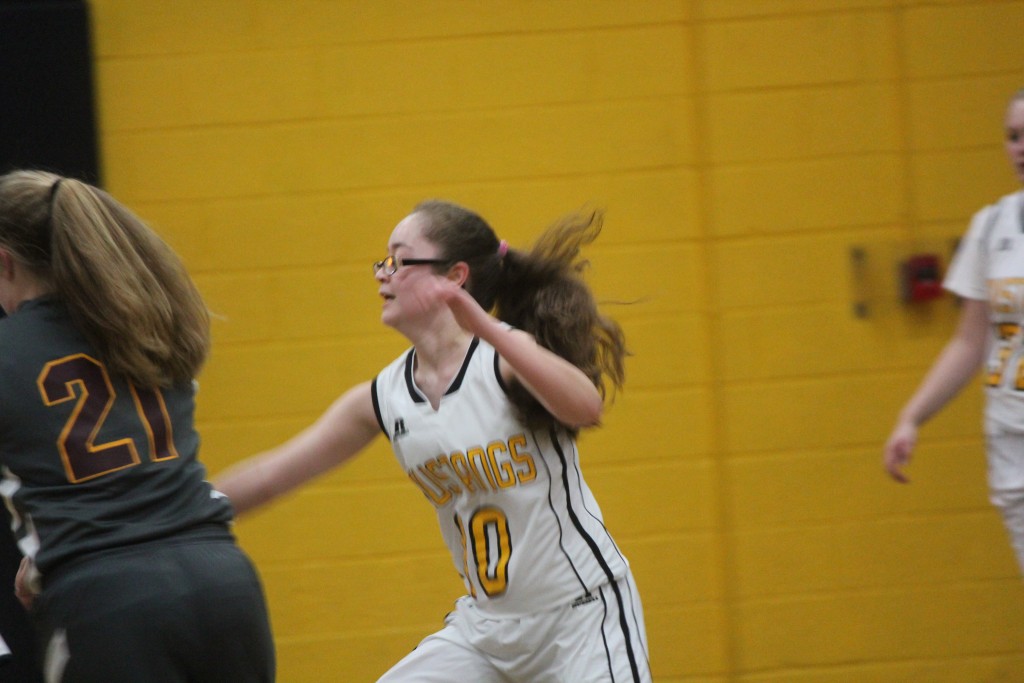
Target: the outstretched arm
(958, 362)
(346, 428)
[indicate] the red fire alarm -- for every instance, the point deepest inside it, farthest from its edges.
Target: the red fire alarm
(920, 278)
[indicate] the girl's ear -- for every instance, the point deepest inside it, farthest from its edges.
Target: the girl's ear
(459, 273)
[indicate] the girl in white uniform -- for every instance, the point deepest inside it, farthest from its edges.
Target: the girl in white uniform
(987, 272)
(482, 413)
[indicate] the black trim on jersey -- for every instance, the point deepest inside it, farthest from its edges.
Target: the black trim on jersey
(376, 407)
(558, 521)
(623, 624)
(414, 393)
(410, 362)
(457, 382)
(598, 520)
(497, 374)
(604, 636)
(633, 602)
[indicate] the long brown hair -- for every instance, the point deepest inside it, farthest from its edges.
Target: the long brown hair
(539, 290)
(124, 287)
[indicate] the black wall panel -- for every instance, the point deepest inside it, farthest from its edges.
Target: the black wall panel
(47, 117)
(47, 121)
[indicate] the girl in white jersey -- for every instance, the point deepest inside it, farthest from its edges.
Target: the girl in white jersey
(988, 274)
(482, 413)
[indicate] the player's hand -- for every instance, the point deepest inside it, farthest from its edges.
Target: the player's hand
(468, 313)
(440, 290)
(22, 591)
(899, 451)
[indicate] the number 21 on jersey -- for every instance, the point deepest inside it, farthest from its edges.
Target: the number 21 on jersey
(85, 380)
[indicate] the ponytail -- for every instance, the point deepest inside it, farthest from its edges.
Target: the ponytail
(542, 292)
(125, 289)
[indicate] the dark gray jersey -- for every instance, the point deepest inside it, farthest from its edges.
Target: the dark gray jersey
(89, 460)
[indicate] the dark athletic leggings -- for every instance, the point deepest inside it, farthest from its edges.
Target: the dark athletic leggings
(163, 612)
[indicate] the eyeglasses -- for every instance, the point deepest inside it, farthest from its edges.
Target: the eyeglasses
(391, 264)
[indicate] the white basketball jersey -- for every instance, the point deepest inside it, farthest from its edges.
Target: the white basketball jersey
(523, 528)
(989, 265)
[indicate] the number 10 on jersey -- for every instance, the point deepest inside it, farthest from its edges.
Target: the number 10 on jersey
(486, 548)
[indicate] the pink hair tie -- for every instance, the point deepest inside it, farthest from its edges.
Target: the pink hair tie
(502, 248)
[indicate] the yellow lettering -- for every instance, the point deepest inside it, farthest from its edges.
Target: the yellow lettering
(522, 457)
(476, 455)
(478, 469)
(436, 469)
(1007, 295)
(465, 472)
(437, 498)
(503, 471)
(492, 555)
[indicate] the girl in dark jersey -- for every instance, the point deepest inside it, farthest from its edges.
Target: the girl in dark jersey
(130, 567)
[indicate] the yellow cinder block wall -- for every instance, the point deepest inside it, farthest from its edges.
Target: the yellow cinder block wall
(741, 149)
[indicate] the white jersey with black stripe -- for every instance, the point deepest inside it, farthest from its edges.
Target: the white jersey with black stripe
(522, 526)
